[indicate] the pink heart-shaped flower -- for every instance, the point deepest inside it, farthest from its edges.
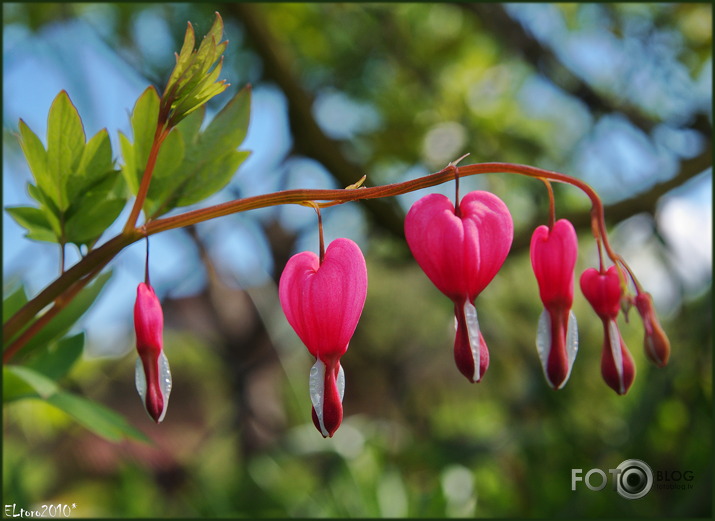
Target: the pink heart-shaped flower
(323, 303)
(461, 250)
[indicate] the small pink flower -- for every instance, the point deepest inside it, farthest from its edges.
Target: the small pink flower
(603, 291)
(656, 343)
(152, 375)
(323, 303)
(461, 250)
(553, 258)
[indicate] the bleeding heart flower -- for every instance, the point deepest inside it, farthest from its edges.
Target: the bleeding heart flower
(323, 303)
(656, 343)
(603, 291)
(152, 374)
(553, 258)
(461, 250)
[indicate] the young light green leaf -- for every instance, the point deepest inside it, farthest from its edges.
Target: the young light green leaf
(65, 143)
(190, 84)
(35, 221)
(55, 360)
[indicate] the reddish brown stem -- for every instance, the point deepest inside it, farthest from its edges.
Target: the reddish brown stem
(162, 130)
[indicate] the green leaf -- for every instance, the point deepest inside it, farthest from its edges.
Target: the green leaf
(210, 178)
(56, 360)
(48, 207)
(22, 382)
(35, 154)
(14, 301)
(144, 119)
(91, 220)
(97, 418)
(95, 163)
(167, 174)
(191, 125)
(43, 386)
(35, 221)
(228, 128)
(14, 387)
(65, 319)
(129, 168)
(65, 143)
(191, 84)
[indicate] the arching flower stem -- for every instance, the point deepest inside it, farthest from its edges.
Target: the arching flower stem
(87, 266)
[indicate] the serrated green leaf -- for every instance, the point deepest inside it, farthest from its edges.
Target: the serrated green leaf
(56, 360)
(183, 58)
(97, 418)
(65, 143)
(65, 319)
(34, 221)
(14, 301)
(35, 153)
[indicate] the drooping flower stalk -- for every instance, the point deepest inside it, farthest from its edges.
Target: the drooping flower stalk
(461, 249)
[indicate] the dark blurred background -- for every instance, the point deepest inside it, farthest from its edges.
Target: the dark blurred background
(619, 95)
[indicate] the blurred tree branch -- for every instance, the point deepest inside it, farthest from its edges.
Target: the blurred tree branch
(512, 36)
(309, 138)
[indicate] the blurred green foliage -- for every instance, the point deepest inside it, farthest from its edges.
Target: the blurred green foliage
(401, 89)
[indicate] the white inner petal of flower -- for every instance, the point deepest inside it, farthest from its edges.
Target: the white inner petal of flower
(140, 380)
(317, 392)
(470, 315)
(164, 381)
(571, 341)
(615, 339)
(543, 343)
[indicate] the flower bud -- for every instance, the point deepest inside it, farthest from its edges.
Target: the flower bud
(656, 343)
(152, 374)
